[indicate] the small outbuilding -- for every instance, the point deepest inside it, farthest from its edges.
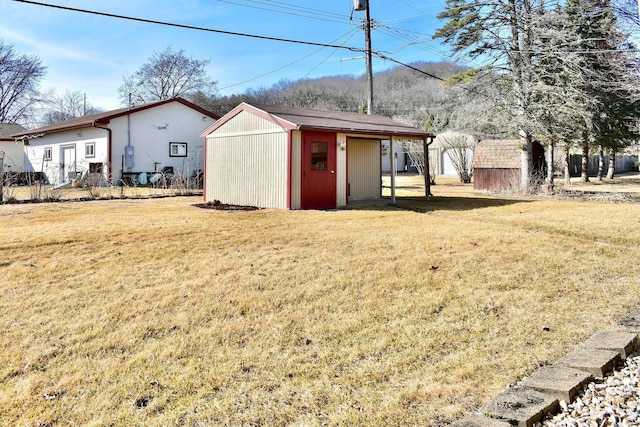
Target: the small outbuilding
(294, 158)
(13, 149)
(497, 164)
(120, 145)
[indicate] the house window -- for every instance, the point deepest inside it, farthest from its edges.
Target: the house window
(178, 149)
(95, 167)
(47, 153)
(90, 149)
(319, 156)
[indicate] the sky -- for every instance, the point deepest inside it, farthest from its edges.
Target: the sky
(92, 53)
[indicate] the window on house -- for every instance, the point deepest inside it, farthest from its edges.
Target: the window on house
(178, 149)
(90, 149)
(47, 153)
(319, 156)
(95, 167)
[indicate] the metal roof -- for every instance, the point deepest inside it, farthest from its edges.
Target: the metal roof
(105, 117)
(308, 119)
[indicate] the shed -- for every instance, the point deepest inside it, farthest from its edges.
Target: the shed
(294, 158)
(13, 150)
(120, 144)
(497, 164)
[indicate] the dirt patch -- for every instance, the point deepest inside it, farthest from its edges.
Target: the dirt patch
(217, 205)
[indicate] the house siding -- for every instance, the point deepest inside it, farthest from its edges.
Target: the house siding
(364, 168)
(247, 163)
(13, 155)
(58, 142)
(152, 144)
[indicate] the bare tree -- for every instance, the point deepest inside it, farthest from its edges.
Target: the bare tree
(460, 151)
(167, 75)
(20, 76)
(67, 106)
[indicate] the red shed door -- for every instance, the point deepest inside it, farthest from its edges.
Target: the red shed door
(319, 170)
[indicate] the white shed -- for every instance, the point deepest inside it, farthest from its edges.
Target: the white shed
(13, 150)
(293, 158)
(120, 144)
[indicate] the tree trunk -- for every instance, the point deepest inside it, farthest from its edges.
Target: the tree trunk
(612, 164)
(584, 176)
(567, 172)
(600, 163)
(550, 162)
(526, 162)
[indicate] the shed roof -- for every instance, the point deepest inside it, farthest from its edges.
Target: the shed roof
(497, 154)
(295, 118)
(8, 129)
(105, 117)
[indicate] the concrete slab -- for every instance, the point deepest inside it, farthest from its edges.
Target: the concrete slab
(480, 421)
(520, 406)
(596, 362)
(562, 382)
(632, 322)
(624, 343)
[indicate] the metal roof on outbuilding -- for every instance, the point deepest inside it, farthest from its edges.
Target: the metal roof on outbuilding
(291, 118)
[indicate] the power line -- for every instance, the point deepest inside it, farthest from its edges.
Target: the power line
(350, 35)
(189, 27)
(233, 33)
(299, 11)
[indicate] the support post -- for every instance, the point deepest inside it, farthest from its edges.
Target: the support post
(1, 175)
(393, 171)
(426, 142)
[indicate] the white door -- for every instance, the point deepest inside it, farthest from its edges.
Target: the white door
(67, 162)
(448, 162)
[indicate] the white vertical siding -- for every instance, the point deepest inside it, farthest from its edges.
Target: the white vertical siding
(364, 168)
(247, 163)
(341, 170)
(296, 170)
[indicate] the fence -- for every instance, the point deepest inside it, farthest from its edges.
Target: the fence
(623, 163)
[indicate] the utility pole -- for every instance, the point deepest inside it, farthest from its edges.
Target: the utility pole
(367, 40)
(364, 5)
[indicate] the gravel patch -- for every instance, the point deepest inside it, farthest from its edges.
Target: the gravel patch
(610, 401)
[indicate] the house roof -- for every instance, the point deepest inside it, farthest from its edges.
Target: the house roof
(105, 117)
(294, 118)
(8, 129)
(497, 154)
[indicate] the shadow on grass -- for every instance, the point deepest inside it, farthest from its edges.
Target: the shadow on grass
(419, 204)
(436, 203)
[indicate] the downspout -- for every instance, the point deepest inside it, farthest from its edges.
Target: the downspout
(109, 152)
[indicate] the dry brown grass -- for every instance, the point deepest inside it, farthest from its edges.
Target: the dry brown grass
(156, 313)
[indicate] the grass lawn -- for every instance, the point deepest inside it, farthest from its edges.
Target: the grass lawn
(153, 312)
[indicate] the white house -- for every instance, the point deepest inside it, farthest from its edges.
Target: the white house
(294, 158)
(13, 150)
(122, 144)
